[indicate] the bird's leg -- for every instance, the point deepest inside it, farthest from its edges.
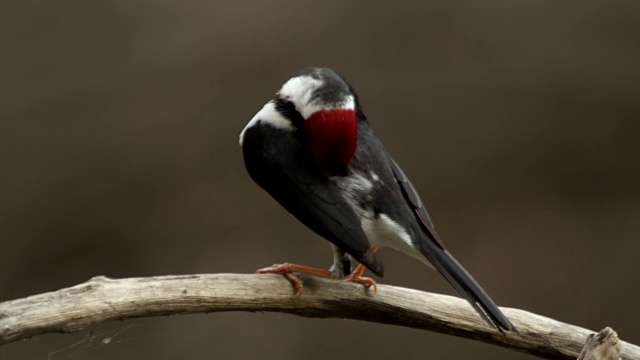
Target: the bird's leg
(356, 276)
(287, 270)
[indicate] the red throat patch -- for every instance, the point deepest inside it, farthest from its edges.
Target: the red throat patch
(333, 136)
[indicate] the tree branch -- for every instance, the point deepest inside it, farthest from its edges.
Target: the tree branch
(604, 345)
(102, 299)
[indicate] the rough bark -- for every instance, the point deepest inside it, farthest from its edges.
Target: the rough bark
(102, 299)
(604, 345)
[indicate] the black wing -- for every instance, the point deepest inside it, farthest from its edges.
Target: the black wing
(412, 196)
(287, 173)
(432, 248)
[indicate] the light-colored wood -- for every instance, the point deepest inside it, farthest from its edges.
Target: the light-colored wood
(102, 299)
(604, 345)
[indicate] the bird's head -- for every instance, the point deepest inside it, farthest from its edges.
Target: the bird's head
(320, 106)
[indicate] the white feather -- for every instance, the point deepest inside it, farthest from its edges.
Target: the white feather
(384, 232)
(380, 230)
(268, 114)
(299, 90)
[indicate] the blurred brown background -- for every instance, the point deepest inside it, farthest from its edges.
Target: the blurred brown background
(517, 122)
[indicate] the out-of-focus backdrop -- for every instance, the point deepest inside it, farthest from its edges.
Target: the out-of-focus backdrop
(517, 122)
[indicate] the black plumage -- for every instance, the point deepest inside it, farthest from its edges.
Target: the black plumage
(284, 168)
(368, 202)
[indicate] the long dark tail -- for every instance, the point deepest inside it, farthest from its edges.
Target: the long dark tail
(462, 281)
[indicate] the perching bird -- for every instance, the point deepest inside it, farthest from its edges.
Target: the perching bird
(313, 150)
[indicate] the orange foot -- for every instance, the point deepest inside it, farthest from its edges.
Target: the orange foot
(356, 276)
(287, 270)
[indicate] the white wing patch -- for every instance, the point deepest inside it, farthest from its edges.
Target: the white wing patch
(269, 115)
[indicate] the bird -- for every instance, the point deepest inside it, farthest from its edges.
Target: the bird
(313, 150)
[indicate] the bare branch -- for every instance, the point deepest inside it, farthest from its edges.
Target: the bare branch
(604, 345)
(102, 299)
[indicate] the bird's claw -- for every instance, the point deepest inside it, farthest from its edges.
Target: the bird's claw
(362, 280)
(356, 276)
(287, 270)
(296, 282)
